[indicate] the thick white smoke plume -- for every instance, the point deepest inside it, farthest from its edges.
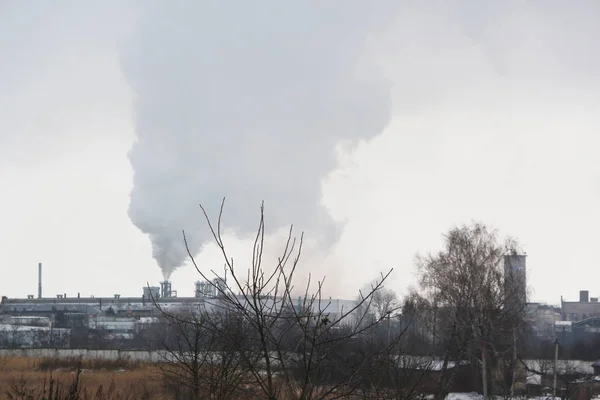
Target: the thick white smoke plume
(246, 100)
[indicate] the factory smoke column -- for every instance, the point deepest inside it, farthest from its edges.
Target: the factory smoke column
(39, 280)
(247, 102)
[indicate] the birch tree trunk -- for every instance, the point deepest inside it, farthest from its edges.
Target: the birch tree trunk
(484, 373)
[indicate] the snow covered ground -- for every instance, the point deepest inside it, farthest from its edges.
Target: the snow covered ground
(477, 396)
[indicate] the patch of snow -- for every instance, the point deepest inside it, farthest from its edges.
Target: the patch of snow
(534, 379)
(464, 396)
(563, 366)
(544, 398)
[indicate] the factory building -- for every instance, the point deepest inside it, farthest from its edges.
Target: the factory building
(208, 289)
(586, 307)
(543, 318)
(207, 294)
(143, 306)
(91, 321)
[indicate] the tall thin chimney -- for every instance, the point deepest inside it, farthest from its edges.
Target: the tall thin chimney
(39, 280)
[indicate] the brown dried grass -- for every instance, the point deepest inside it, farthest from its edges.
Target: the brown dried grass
(125, 379)
(99, 379)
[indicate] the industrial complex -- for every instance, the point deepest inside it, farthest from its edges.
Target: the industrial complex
(118, 319)
(121, 318)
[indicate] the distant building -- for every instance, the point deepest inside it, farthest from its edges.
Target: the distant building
(543, 319)
(586, 307)
(151, 293)
(210, 289)
(96, 321)
(578, 332)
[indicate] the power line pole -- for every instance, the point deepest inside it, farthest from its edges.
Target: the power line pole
(388, 329)
(555, 365)
(434, 321)
(514, 367)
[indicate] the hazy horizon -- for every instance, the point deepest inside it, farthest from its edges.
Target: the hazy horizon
(373, 128)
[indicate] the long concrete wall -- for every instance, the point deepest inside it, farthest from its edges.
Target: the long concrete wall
(131, 355)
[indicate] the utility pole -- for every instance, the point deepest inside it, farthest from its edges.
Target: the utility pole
(388, 329)
(555, 365)
(514, 367)
(484, 371)
(434, 321)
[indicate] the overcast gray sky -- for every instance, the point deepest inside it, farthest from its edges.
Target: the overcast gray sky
(375, 128)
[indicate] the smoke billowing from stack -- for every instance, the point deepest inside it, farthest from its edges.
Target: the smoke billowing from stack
(248, 102)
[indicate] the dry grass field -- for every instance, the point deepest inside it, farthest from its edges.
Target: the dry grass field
(38, 379)
(26, 378)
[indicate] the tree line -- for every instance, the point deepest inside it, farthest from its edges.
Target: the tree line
(463, 327)
(255, 340)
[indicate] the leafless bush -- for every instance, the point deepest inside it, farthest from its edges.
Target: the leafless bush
(197, 357)
(277, 347)
(72, 363)
(20, 390)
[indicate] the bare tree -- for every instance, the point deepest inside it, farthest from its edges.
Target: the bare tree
(51, 338)
(395, 373)
(474, 315)
(197, 358)
(14, 337)
(385, 302)
(297, 349)
(5, 340)
(99, 338)
(383, 305)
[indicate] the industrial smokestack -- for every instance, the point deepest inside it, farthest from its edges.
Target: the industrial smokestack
(39, 280)
(165, 289)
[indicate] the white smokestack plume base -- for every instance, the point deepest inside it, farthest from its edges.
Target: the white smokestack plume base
(247, 100)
